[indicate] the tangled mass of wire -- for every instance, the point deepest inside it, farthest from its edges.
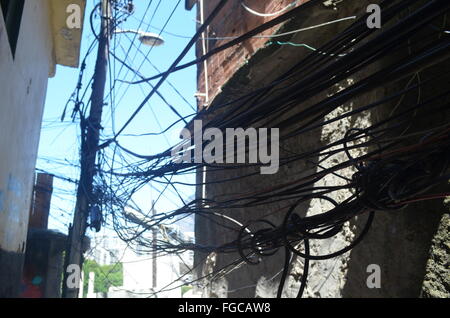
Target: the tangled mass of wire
(389, 163)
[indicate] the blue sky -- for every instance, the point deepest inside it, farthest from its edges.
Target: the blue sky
(59, 143)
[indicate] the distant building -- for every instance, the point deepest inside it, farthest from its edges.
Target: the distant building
(34, 37)
(105, 250)
(140, 277)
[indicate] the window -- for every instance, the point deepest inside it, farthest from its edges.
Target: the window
(12, 14)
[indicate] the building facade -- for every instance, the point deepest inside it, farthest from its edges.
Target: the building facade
(255, 63)
(34, 38)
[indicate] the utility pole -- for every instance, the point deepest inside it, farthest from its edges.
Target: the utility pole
(154, 245)
(90, 128)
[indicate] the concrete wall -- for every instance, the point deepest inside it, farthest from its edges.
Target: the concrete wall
(437, 278)
(23, 84)
(398, 242)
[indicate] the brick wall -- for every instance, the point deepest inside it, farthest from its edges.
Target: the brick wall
(233, 20)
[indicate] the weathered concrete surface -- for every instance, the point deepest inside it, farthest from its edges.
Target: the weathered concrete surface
(265, 65)
(437, 278)
(399, 241)
(66, 40)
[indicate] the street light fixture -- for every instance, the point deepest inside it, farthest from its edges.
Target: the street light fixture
(146, 38)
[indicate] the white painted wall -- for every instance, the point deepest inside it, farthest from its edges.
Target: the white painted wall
(23, 85)
(138, 271)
